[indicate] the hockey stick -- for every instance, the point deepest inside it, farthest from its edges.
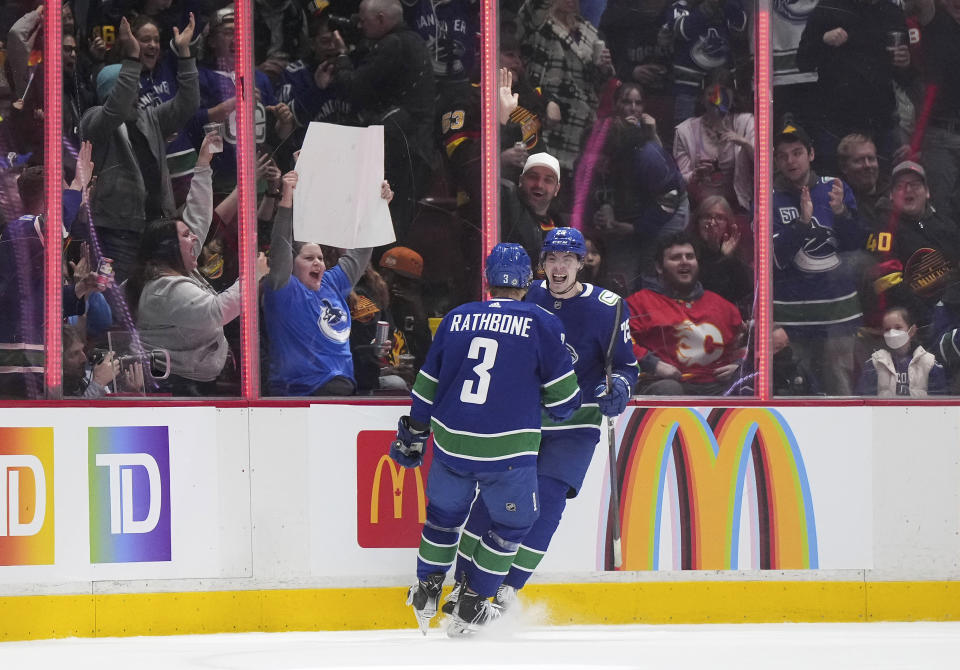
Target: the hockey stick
(611, 444)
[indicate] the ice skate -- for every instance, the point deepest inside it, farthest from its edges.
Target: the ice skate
(424, 596)
(506, 597)
(471, 613)
(450, 602)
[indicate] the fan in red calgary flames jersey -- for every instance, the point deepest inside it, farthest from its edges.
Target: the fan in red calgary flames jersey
(687, 340)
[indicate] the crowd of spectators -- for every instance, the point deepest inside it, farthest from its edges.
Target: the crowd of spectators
(638, 133)
(865, 233)
(150, 216)
(630, 121)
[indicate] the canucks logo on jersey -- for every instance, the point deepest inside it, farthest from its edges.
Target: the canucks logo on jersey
(333, 322)
(711, 50)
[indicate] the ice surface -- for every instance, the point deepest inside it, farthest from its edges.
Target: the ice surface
(678, 647)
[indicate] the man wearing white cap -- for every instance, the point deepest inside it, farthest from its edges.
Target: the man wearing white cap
(526, 215)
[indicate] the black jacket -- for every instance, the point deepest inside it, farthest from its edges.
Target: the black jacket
(929, 250)
(392, 84)
(856, 78)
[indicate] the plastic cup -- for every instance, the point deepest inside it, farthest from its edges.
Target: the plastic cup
(214, 127)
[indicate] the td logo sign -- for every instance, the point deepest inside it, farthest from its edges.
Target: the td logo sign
(129, 471)
(26, 496)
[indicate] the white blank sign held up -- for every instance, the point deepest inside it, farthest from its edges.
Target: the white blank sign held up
(337, 201)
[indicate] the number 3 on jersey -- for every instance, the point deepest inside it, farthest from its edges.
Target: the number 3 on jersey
(485, 350)
(452, 121)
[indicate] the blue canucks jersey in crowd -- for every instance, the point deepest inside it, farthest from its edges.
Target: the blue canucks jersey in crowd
(309, 333)
(814, 284)
(702, 39)
(159, 86)
(490, 369)
(307, 101)
(215, 87)
(449, 28)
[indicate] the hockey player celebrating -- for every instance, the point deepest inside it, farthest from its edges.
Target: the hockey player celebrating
(598, 338)
(490, 369)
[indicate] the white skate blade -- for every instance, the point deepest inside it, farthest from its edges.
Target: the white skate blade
(423, 621)
(423, 616)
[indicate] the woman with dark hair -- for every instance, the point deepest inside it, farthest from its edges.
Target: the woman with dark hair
(177, 309)
(306, 310)
(714, 151)
(594, 269)
(725, 253)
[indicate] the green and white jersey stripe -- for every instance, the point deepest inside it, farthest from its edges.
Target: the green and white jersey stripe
(486, 446)
(817, 312)
(588, 416)
(491, 560)
(559, 390)
(468, 544)
(425, 387)
(528, 559)
(437, 554)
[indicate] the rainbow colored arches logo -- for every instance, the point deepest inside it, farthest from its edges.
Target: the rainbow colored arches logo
(711, 457)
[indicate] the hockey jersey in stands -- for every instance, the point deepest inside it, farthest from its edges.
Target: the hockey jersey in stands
(215, 87)
(491, 367)
(695, 336)
(814, 285)
(449, 28)
(308, 102)
(588, 320)
(703, 39)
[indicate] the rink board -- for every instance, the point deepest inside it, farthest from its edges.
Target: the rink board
(129, 521)
(278, 610)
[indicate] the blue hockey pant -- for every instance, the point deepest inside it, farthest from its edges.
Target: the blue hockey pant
(513, 503)
(553, 500)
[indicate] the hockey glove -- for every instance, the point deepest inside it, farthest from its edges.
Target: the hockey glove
(407, 449)
(613, 403)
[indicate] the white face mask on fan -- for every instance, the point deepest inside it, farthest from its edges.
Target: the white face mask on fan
(895, 338)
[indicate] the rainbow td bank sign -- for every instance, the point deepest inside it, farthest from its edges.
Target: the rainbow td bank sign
(129, 488)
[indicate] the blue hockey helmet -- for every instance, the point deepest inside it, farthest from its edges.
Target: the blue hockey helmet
(561, 240)
(508, 265)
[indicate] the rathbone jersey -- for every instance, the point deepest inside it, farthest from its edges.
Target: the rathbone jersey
(491, 367)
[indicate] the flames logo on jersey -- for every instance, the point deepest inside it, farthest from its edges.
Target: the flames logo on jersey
(333, 322)
(698, 343)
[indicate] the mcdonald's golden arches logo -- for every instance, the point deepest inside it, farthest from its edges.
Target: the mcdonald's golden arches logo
(711, 456)
(391, 501)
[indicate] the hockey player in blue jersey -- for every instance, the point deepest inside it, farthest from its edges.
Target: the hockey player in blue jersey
(491, 368)
(590, 318)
